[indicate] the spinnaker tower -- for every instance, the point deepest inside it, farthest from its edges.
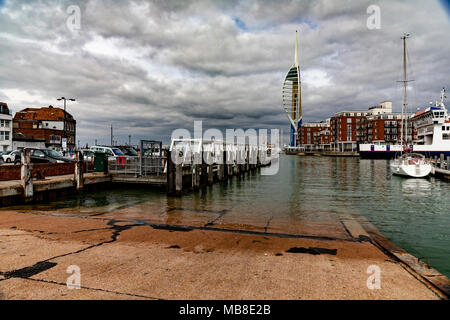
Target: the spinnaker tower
(292, 98)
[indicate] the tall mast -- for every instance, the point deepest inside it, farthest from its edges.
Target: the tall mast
(404, 133)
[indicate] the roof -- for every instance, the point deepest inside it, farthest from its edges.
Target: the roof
(49, 113)
(425, 110)
(4, 108)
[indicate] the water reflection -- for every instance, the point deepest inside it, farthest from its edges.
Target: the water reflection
(416, 187)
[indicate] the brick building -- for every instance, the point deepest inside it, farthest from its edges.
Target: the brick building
(347, 129)
(384, 128)
(315, 135)
(47, 125)
(343, 127)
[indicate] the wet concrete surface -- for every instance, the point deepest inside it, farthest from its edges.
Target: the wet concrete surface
(174, 255)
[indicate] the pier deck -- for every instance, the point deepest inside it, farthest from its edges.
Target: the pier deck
(14, 187)
(203, 257)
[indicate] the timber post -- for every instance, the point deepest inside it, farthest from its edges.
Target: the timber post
(79, 170)
(26, 174)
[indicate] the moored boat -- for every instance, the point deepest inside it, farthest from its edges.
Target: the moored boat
(413, 165)
(432, 125)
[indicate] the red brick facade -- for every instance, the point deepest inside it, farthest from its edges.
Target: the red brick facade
(45, 124)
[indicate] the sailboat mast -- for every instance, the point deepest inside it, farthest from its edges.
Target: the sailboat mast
(404, 133)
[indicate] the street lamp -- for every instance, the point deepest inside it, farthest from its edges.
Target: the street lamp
(64, 126)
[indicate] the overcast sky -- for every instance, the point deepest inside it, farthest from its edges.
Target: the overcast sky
(150, 67)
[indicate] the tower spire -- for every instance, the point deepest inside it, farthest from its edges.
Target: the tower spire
(296, 49)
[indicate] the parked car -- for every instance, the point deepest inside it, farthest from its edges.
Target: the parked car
(112, 152)
(47, 155)
(151, 152)
(88, 155)
(11, 156)
(128, 151)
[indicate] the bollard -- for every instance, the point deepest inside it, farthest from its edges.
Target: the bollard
(26, 174)
(79, 170)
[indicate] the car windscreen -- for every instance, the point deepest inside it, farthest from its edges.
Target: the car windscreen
(117, 152)
(131, 152)
(53, 153)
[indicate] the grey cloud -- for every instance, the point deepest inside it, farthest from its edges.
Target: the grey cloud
(168, 63)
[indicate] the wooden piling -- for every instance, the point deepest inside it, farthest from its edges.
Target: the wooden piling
(170, 175)
(26, 174)
(79, 170)
(442, 161)
(179, 178)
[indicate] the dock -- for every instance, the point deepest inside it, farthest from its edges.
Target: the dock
(187, 166)
(441, 167)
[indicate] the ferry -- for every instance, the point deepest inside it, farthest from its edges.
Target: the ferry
(433, 135)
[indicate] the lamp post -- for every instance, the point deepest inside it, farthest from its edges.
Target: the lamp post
(64, 126)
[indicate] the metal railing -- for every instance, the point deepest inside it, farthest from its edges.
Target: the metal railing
(137, 166)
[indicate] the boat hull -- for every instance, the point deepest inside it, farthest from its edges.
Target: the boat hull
(392, 154)
(411, 170)
(368, 151)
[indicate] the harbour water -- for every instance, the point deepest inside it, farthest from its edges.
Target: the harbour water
(412, 213)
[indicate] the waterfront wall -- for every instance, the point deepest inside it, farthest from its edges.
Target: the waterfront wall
(40, 170)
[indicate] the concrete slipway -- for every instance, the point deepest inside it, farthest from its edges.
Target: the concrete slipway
(207, 256)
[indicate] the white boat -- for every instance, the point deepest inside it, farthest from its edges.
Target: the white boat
(432, 125)
(413, 165)
(409, 164)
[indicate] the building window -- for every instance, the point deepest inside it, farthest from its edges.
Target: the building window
(349, 132)
(4, 135)
(349, 120)
(55, 139)
(4, 123)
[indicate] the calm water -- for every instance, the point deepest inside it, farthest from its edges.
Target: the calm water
(412, 213)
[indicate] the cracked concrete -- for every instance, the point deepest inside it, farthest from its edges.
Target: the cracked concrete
(122, 259)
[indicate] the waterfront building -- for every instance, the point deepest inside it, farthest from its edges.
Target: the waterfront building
(325, 137)
(377, 125)
(5, 127)
(343, 126)
(33, 127)
(315, 136)
(383, 128)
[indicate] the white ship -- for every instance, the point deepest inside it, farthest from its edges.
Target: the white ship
(433, 135)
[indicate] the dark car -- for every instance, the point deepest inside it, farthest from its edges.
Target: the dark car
(47, 155)
(128, 151)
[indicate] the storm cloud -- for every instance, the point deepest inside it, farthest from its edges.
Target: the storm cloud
(149, 67)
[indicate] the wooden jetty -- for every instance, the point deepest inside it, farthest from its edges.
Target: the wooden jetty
(186, 166)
